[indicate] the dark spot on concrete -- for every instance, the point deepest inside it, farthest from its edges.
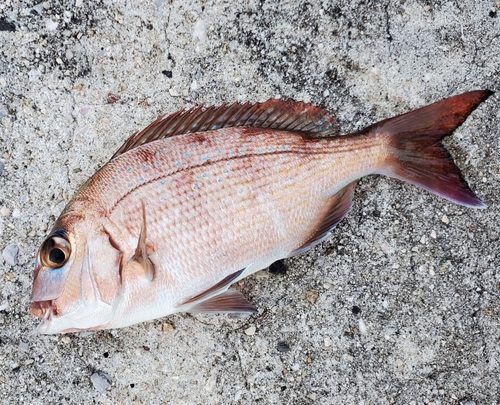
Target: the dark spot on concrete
(283, 347)
(356, 310)
(6, 25)
(167, 73)
(278, 267)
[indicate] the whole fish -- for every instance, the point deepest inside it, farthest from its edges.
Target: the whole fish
(206, 196)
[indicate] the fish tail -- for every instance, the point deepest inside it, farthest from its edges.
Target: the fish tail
(415, 153)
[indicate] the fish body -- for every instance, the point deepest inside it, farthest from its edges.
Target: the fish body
(205, 197)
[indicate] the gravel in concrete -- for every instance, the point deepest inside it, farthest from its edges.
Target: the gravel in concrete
(78, 77)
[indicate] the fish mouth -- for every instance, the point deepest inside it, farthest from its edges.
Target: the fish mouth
(43, 309)
(46, 310)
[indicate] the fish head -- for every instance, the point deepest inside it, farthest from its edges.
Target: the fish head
(77, 282)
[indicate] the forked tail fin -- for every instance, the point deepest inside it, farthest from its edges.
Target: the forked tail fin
(416, 154)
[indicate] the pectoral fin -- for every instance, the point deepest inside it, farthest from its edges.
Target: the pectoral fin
(141, 254)
(229, 302)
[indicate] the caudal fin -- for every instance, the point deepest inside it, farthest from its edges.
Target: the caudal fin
(416, 154)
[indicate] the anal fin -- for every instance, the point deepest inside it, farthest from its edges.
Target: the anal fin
(339, 206)
(228, 302)
(216, 289)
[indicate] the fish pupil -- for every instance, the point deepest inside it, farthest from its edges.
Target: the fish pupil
(57, 256)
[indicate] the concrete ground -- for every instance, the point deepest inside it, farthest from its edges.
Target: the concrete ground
(401, 305)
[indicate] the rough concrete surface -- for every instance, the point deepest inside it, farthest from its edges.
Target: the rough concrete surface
(399, 306)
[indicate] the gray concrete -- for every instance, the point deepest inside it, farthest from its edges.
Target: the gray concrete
(423, 272)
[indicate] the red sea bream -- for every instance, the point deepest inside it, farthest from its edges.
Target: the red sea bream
(206, 196)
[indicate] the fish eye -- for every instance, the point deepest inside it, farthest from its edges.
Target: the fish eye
(56, 255)
(55, 252)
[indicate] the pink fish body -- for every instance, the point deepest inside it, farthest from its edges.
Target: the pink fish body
(205, 197)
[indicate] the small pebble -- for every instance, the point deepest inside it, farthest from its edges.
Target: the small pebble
(211, 383)
(445, 219)
(250, 331)
(173, 93)
(312, 296)
(66, 340)
(51, 25)
(84, 110)
(327, 341)
(233, 45)
(261, 274)
(167, 327)
(112, 98)
(10, 254)
(200, 31)
(283, 347)
(433, 234)
(362, 327)
(100, 381)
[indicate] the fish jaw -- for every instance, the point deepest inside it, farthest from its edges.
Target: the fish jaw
(53, 322)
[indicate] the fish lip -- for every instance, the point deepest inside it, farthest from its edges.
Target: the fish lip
(43, 309)
(46, 310)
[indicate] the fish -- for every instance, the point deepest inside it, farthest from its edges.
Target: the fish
(207, 196)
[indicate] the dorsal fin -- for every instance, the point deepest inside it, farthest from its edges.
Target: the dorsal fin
(277, 114)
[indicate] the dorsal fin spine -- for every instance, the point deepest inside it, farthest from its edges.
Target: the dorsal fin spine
(276, 114)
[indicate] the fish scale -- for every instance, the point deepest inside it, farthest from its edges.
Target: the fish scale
(274, 192)
(175, 218)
